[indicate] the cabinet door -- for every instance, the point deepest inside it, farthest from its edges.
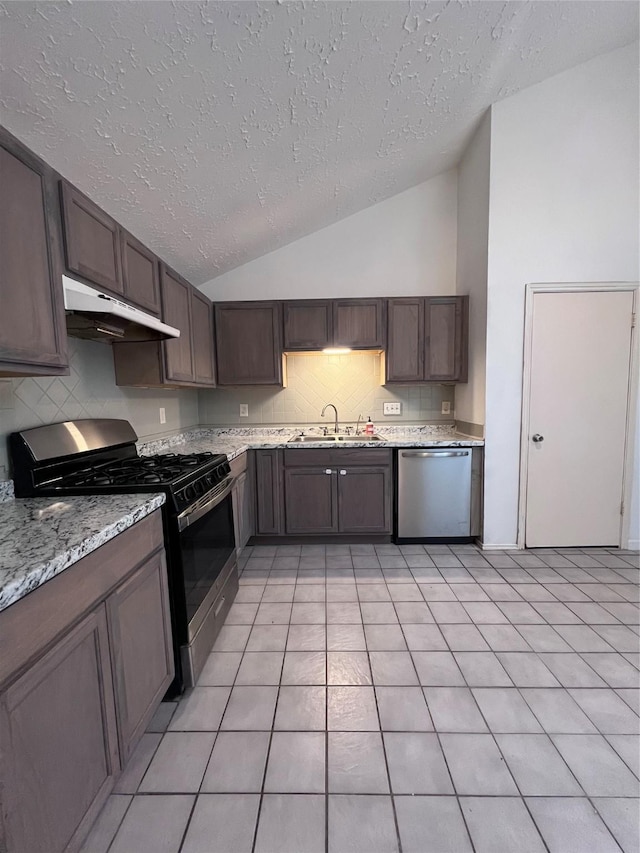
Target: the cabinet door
(310, 505)
(58, 742)
(446, 338)
(202, 331)
(141, 648)
(91, 240)
(364, 500)
(33, 335)
(405, 340)
(242, 510)
(140, 274)
(268, 492)
(358, 323)
(307, 324)
(176, 311)
(248, 343)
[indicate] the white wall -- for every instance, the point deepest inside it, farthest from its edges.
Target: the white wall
(563, 208)
(405, 245)
(471, 269)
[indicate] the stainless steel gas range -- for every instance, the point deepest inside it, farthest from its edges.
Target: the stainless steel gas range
(100, 457)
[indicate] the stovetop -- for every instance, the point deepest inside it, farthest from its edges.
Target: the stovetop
(184, 478)
(167, 469)
(99, 456)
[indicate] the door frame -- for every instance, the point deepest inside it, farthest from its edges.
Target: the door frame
(632, 397)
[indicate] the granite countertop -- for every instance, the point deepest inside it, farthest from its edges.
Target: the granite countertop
(235, 441)
(41, 537)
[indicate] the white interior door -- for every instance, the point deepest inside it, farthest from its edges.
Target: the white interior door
(580, 363)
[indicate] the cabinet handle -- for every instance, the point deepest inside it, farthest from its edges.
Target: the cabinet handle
(328, 471)
(343, 472)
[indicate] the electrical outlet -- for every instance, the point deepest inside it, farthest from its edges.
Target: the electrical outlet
(392, 408)
(446, 407)
(163, 415)
(244, 410)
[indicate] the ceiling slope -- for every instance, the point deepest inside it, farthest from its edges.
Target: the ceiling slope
(219, 131)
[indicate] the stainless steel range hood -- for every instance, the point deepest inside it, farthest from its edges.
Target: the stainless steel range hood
(99, 317)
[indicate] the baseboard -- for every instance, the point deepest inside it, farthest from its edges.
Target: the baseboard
(633, 545)
(486, 546)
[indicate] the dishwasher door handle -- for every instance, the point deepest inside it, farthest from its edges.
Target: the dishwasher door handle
(428, 454)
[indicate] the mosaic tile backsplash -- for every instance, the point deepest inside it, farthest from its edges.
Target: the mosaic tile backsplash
(89, 392)
(351, 382)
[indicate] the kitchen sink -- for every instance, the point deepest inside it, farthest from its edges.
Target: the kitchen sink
(332, 439)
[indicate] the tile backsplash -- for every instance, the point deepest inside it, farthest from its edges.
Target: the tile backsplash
(351, 382)
(89, 392)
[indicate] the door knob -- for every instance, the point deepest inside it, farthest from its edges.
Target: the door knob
(537, 438)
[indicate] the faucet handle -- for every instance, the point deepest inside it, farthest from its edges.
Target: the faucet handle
(325, 430)
(347, 430)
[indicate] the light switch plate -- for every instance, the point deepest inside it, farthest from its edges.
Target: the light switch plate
(446, 407)
(163, 415)
(392, 408)
(244, 410)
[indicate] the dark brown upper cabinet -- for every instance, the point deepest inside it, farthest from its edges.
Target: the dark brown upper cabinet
(176, 311)
(315, 324)
(358, 323)
(248, 343)
(92, 242)
(202, 336)
(405, 340)
(446, 331)
(308, 324)
(427, 339)
(140, 274)
(185, 361)
(33, 335)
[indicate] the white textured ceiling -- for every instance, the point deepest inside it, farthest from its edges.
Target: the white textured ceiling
(219, 131)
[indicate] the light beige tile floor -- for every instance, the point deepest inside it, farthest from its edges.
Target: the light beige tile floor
(421, 699)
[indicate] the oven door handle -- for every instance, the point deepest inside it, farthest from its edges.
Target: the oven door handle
(206, 503)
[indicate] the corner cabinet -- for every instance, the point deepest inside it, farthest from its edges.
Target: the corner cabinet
(91, 657)
(248, 343)
(33, 335)
(176, 311)
(427, 339)
(187, 361)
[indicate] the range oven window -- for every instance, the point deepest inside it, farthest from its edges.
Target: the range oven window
(205, 548)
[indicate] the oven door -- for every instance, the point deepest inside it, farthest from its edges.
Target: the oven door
(207, 551)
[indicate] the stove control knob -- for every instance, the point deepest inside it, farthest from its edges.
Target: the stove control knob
(199, 487)
(189, 493)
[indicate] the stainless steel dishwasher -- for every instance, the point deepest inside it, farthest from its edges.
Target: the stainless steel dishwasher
(434, 493)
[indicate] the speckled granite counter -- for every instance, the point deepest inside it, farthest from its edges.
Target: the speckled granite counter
(234, 441)
(40, 537)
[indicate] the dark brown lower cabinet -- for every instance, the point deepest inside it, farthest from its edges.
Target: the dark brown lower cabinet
(87, 659)
(310, 504)
(341, 491)
(242, 497)
(59, 742)
(364, 499)
(142, 655)
(269, 492)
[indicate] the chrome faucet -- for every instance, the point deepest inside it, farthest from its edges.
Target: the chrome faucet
(330, 405)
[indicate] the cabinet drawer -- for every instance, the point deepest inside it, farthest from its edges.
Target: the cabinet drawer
(339, 456)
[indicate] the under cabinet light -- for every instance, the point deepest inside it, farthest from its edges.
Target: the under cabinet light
(336, 350)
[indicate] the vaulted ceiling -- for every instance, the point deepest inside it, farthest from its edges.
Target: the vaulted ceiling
(219, 131)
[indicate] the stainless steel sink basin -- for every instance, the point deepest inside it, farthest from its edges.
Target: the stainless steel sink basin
(312, 439)
(333, 439)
